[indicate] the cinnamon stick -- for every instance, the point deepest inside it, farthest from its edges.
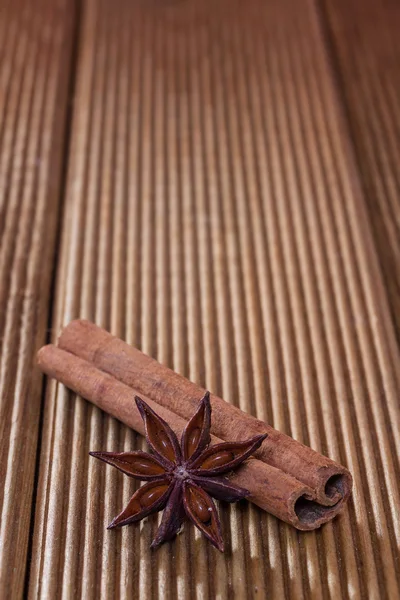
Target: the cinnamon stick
(329, 481)
(273, 490)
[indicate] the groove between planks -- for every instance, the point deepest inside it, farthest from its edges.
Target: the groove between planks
(214, 218)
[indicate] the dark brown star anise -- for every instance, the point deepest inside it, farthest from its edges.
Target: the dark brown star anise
(181, 478)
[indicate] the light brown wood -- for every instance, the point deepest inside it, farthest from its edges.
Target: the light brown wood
(230, 208)
(225, 234)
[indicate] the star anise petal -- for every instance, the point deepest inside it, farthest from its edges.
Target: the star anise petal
(149, 498)
(159, 435)
(138, 464)
(201, 510)
(172, 518)
(196, 435)
(221, 488)
(224, 457)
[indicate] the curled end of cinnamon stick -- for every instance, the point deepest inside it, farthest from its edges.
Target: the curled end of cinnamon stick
(292, 501)
(336, 484)
(308, 514)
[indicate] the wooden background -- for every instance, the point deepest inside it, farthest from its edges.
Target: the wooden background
(216, 182)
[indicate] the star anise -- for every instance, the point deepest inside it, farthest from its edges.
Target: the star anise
(181, 477)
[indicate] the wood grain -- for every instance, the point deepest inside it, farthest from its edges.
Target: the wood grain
(35, 40)
(231, 211)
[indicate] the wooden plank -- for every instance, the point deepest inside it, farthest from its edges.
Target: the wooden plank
(364, 40)
(215, 219)
(35, 40)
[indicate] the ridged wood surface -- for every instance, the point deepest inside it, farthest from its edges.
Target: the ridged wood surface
(35, 51)
(364, 38)
(216, 217)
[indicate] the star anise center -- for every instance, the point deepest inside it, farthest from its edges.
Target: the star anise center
(181, 478)
(181, 473)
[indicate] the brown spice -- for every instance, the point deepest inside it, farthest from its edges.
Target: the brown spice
(181, 478)
(274, 490)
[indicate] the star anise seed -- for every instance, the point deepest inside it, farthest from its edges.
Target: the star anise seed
(180, 478)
